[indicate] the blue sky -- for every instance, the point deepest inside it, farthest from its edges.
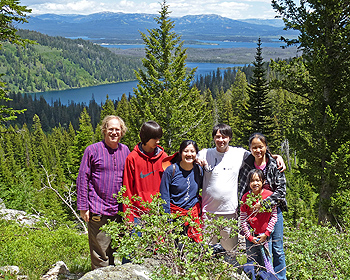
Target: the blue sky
(238, 9)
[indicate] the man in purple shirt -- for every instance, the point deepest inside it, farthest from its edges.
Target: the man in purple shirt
(100, 176)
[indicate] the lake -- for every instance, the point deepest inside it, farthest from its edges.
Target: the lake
(115, 91)
(206, 45)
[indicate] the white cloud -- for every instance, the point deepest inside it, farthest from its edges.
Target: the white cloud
(232, 9)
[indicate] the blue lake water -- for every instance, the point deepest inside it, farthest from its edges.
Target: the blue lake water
(206, 45)
(115, 91)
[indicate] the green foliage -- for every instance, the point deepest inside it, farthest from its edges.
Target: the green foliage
(161, 236)
(340, 201)
(11, 12)
(302, 198)
(164, 92)
(316, 252)
(6, 113)
(83, 139)
(324, 118)
(36, 250)
(256, 198)
(257, 111)
(57, 63)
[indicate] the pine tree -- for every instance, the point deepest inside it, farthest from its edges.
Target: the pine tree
(123, 110)
(10, 12)
(107, 109)
(164, 91)
(322, 79)
(239, 96)
(41, 151)
(258, 112)
(83, 139)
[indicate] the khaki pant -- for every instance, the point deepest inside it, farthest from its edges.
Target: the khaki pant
(101, 251)
(226, 242)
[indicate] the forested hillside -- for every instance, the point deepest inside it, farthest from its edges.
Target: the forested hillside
(307, 101)
(56, 63)
(56, 113)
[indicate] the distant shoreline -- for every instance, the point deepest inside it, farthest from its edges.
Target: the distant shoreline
(222, 55)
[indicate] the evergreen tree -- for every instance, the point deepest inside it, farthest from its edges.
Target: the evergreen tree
(323, 81)
(41, 151)
(164, 91)
(10, 12)
(83, 139)
(107, 109)
(258, 112)
(239, 96)
(123, 111)
(225, 108)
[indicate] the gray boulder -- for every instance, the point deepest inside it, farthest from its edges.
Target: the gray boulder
(131, 271)
(20, 217)
(58, 269)
(120, 272)
(2, 204)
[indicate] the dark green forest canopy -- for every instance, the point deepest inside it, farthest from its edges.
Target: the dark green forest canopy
(57, 63)
(55, 113)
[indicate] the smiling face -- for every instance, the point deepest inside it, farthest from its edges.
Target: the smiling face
(189, 154)
(113, 133)
(221, 142)
(258, 149)
(256, 184)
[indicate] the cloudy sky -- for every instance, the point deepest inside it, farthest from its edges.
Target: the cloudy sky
(237, 9)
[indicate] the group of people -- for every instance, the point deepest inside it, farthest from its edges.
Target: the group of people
(226, 175)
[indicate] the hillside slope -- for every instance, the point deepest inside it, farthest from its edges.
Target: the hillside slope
(56, 63)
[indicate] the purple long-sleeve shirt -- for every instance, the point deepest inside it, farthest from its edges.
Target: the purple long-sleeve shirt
(100, 176)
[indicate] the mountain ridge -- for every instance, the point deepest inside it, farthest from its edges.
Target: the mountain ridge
(127, 26)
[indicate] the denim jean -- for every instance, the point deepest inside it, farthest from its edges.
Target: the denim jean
(279, 260)
(254, 253)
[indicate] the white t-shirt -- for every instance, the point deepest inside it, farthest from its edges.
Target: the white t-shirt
(220, 180)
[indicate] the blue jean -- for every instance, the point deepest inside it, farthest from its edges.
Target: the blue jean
(254, 252)
(279, 260)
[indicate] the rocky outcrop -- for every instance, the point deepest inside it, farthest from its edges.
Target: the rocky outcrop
(20, 217)
(132, 272)
(120, 272)
(59, 269)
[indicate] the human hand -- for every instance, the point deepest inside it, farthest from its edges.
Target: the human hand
(255, 240)
(85, 214)
(262, 238)
(201, 161)
(280, 163)
(256, 207)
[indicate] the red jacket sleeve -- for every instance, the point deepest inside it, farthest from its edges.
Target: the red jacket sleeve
(128, 182)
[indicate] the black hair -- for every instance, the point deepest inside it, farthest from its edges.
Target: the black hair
(255, 171)
(185, 143)
(150, 130)
(225, 130)
(260, 136)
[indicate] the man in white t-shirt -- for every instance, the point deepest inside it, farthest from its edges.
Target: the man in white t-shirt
(220, 182)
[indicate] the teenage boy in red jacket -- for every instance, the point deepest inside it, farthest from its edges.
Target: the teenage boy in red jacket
(143, 168)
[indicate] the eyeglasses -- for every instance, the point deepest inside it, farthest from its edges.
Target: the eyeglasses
(111, 130)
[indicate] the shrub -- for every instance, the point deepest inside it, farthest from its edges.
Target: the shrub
(161, 236)
(317, 252)
(35, 250)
